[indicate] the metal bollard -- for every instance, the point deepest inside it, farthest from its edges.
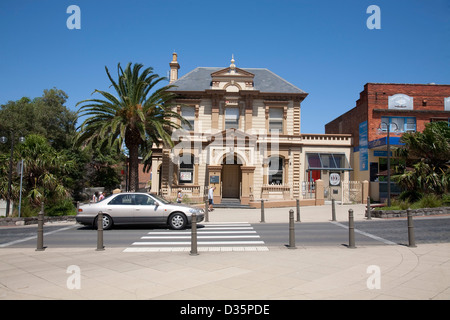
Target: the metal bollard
(351, 229)
(100, 246)
(369, 210)
(291, 230)
(194, 235)
(411, 236)
(333, 210)
(262, 211)
(298, 210)
(206, 210)
(40, 230)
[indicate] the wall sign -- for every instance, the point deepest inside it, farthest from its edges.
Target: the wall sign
(363, 147)
(447, 104)
(186, 176)
(401, 102)
(214, 179)
(335, 179)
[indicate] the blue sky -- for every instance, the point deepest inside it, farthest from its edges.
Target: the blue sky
(322, 47)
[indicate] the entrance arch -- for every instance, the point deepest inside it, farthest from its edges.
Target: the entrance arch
(232, 177)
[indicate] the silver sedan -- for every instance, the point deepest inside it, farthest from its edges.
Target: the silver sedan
(137, 208)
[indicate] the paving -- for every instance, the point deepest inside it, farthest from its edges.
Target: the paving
(375, 272)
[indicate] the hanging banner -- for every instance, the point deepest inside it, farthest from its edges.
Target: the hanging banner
(363, 147)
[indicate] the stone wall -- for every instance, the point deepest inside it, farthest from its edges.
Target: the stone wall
(33, 220)
(415, 212)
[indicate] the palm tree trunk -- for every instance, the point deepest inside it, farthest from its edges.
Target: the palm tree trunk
(133, 181)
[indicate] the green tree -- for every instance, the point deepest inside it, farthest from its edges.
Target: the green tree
(46, 115)
(427, 154)
(136, 117)
(44, 174)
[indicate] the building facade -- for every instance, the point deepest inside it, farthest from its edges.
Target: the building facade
(244, 138)
(398, 107)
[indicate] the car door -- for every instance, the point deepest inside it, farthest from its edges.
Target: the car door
(121, 208)
(148, 210)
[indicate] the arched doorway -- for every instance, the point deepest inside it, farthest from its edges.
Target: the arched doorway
(231, 176)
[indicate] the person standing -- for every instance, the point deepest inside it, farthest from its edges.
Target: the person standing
(211, 197)
(179, 196)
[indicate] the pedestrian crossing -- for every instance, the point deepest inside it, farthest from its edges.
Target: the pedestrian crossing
(230, 236)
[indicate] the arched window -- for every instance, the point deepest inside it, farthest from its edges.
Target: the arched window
(276, 170)
(186, 168)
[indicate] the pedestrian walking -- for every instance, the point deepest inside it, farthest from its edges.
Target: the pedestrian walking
(211, 197)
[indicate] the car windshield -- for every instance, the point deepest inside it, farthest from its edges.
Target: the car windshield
(160, 199)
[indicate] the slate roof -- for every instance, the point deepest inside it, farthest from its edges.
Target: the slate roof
(265, 80)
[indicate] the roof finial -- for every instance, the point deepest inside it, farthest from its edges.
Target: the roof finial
(232, 65)
(174, 56)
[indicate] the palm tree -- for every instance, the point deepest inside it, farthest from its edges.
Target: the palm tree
(44, 175)
(135, 117)
(427, 155)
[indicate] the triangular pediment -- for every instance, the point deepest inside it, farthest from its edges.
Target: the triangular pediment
(232, 72)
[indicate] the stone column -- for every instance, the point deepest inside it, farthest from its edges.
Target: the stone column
(320, 193)
(215, 171)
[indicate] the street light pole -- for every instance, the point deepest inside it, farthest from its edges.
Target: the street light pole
(388, 165)
(8, 196)
(388, 143)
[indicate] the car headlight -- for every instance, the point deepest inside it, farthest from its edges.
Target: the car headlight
(196, 211)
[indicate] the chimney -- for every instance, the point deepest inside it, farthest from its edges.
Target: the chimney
(174, 66)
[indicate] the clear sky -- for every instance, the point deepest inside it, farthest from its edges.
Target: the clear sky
(323, 47)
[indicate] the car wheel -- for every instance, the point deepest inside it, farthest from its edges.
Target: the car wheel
(107, 222)
(177, 221)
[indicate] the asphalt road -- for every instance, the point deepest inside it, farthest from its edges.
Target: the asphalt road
(373, 232)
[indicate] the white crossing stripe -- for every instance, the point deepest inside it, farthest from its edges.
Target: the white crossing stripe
(198, 242)
(200, 249)
(229, 236)
(199, 237)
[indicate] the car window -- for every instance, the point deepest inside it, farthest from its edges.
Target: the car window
(164, 201)
(144, 200)
(123, 199)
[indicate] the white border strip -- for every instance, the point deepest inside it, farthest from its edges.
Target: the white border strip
(366, 234)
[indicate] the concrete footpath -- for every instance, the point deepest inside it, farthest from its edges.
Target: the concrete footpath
(306, 273)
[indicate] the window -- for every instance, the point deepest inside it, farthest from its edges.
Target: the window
(275, 170)
(188, 113)
(232, 118)
(323, 161)
(143, 200)
(399, 124)
(123, 199)
(276, 120)
(186, 168)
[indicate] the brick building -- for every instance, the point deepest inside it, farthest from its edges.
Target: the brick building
(405, 107)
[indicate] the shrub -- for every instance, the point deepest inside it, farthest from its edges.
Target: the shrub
(446, 199)
(430, 201)
(410, 195)
(64, 207)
